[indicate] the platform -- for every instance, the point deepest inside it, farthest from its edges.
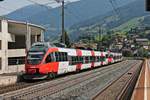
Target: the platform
(142, 88)
(8, 79)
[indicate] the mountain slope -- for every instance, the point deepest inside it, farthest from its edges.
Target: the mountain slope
(75, 12)
(127, 12)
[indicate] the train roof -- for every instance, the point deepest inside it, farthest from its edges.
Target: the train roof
(46, 45)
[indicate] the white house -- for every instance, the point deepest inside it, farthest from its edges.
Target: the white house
(15, 38)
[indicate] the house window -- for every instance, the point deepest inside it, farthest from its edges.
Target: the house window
(0, 26)
(16, 60)
(0, 63)
(18, 44)
(0, 44)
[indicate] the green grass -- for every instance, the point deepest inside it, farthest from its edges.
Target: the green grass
(128, 25)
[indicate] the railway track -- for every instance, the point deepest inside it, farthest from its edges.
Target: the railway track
(20, 85)
(47, 89)
(122, 87)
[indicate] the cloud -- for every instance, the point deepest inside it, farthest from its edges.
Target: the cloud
(53, 3)
(8, 6)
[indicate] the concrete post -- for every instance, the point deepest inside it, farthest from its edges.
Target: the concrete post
(36, 39)
(42, 36)
(4, 26)
(28, 37)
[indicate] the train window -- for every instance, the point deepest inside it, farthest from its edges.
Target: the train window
(97, 59)
(107, 56)
(35, 57)
(92, 58)
(102, 58)
(72, 59)
(49, 58)
(65, 56)
(57, 56)
(80, 59)
(86, 59)
(75, 60)
(61, 56)
(111, 55)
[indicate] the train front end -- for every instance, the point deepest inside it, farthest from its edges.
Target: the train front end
(34, 62)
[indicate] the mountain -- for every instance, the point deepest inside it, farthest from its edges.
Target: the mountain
(111, 21)
(76, 12)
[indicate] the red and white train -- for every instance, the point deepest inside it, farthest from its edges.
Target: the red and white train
(44, 61)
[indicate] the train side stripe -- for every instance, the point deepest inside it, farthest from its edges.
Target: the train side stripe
(93, 54)
(79, 53)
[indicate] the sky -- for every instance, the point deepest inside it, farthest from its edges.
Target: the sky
(8, 6)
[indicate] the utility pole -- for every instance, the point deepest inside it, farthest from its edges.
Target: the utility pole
(63, 22)
(99, 31)
(100, 36)
(89, 36)
(62, 39)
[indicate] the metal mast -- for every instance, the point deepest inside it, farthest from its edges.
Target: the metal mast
(63, 23)
(62, 20)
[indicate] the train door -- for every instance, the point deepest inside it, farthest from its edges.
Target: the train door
(62, 58)
(73, 63)
(103, 58)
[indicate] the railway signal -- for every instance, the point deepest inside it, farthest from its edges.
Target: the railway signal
(147, 5)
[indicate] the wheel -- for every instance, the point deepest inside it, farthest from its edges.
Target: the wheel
(51, 76)
(54, 75)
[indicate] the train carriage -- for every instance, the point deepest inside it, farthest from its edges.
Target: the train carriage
(45, 61)
(97, 59)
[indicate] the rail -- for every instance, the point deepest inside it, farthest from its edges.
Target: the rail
(128, 87)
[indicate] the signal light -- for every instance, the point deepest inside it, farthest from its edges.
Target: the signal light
(147, 5)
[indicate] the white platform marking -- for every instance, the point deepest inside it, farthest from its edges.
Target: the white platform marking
(145, 84)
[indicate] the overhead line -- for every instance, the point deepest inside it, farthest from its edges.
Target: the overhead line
(74, 15)
(43, 5)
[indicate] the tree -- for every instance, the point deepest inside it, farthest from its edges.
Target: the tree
(67, 40)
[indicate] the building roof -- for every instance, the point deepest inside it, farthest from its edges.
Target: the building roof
(142, 40)
(20, 27)
(25, 23)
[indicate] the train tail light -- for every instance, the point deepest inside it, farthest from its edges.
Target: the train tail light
(37, 70)
(31, 71)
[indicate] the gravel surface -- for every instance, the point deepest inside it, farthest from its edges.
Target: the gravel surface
(82, 86)
(115, 89)
(86, 90)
